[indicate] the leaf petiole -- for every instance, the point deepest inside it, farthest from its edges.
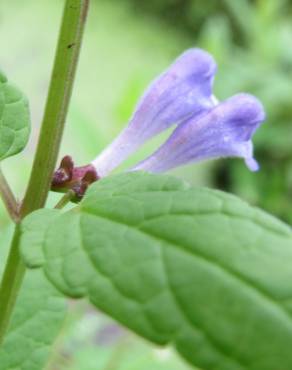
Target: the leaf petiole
(8, 198)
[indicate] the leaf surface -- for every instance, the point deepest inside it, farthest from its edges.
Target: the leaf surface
(38, 317)
(14, 119)
(195, 268)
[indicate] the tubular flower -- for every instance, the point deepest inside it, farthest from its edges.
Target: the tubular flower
(223, 131)
(205, 128)
(184, 89)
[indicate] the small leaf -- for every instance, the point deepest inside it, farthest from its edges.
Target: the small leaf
(36, 321)
(178, 265)
(14, 119)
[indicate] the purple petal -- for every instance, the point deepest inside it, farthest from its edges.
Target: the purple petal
(223, 131)
(184, 89)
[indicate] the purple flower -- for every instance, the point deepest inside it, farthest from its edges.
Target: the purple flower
(206, 129)
(184, 89)
(223, 131)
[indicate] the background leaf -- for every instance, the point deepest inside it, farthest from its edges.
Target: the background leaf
(179, 265)
(36, 321)
(14, 119)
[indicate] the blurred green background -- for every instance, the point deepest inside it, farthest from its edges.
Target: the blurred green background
(127, 43)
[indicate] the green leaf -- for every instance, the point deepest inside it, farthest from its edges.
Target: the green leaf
(14, 119)
(36, 321)
(195, 268)
(34, 229)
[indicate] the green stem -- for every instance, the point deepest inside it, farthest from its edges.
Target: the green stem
(57, 104)
(60, 89)
(8, 198)
(66, 198)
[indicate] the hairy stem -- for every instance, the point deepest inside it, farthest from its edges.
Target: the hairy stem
(8, 198)
(60, 89)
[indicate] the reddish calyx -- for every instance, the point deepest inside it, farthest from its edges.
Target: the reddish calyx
(67, 177)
